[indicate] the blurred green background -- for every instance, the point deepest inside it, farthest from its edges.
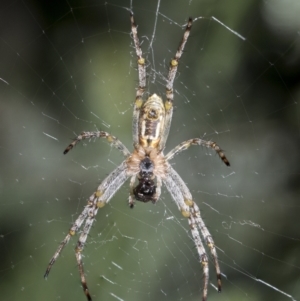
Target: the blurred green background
(69, 66)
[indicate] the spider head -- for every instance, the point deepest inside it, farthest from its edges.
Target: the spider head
(145, 190)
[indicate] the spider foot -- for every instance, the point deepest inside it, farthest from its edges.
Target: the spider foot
(219, 283)
(86, 291)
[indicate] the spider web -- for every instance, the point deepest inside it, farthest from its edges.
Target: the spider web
(69, 66)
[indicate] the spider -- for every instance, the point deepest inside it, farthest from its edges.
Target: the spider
(148, 166)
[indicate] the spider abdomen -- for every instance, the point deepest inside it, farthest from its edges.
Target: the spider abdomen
(151, 123)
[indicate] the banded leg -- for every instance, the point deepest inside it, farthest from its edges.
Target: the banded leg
(195, 212)
(105, 191)
(176, 194)
(202, 255)
(103, 194)
(170, 81)
(75, 227)
(80, 245)
(208, 240)
(100, 134)
(184, 206)
(197, 141)
(142, 82)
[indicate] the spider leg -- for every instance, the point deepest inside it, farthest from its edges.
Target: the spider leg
(105, 191)
(170, 81)
(209, 241)
(103, 194)
(196, 141)
(75, 227)
(202, 254)
(142, 83)
(183, 204)
(195, 211)
(80, 245)
(99, 134)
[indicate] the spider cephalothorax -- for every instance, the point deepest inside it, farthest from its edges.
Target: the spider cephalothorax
(146, 188)
(149, 166)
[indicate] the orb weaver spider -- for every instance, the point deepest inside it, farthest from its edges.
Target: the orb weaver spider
(148, 165)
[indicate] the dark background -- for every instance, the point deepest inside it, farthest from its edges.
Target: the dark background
(69, 66)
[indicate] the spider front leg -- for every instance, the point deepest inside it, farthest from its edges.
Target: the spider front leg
(183, 203)
(197, 141)
(189, 209)
(81, 242)
(202, 254)
(195, 212)
(99, 134)
(75, 227)
(103, 194)
(98, 199)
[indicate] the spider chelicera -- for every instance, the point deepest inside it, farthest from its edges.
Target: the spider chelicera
(148, 166)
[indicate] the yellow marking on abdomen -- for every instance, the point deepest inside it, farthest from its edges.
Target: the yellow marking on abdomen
(151, 121)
